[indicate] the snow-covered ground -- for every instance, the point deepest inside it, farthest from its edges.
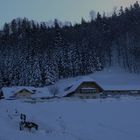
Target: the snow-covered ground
(73, 119)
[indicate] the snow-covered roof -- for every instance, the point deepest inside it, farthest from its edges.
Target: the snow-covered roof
(67, 86)
(39, 92)
(76, 84)
(10, 91)
(28, 89)
(109, 79)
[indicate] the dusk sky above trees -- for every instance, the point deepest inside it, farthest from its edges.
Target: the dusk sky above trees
(64, 10)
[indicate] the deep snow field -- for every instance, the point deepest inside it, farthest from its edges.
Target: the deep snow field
(73, 119)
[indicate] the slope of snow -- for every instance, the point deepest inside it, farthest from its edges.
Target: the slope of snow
(117, 77)
(67, 119)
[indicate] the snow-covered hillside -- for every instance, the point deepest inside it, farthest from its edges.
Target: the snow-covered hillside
(73, 119)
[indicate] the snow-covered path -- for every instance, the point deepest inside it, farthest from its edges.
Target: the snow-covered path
(73, 119)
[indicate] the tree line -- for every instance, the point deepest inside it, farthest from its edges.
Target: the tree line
(34, 54)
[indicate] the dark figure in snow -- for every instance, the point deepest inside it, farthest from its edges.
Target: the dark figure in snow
(24, 124)
(28, 125)
(23, 117)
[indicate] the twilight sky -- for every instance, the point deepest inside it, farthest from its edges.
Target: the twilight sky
(64, 10)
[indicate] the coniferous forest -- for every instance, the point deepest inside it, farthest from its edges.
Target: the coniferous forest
(35, 54)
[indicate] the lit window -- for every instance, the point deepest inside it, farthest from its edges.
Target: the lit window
(88, 90)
